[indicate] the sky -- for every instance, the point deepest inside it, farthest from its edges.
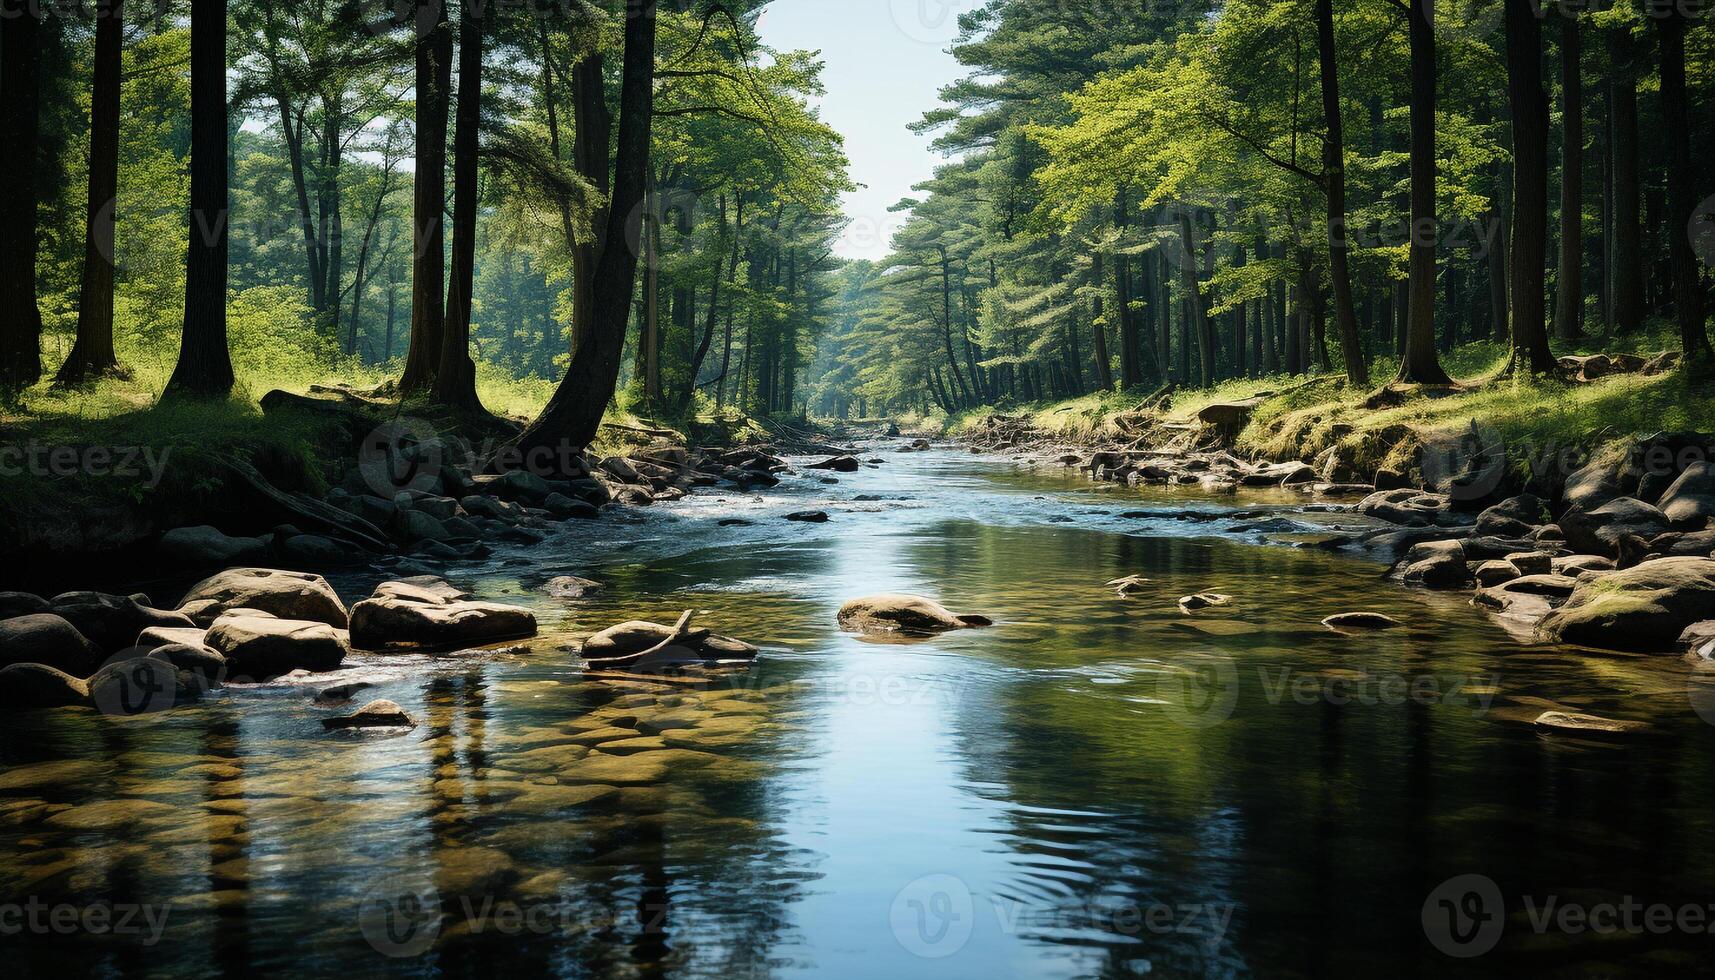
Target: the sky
(886, 62)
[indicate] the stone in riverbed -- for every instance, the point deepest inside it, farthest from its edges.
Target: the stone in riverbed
(809, 517)
(1408, 507)
(1516, 517)
(15, 604)
(45, 638)
(1643, 609)
(1130, 585)
(1572, 723)
(414, 525)
(1361, 621)
(1437, 564)
(1572, 566)
(112, 622)
(380, 713)
(1492, 573)
(633, 638)
(838, 464)
(1532, 562)
(1600, 531)
(1203, 600)
(288, 595)
(898, 613)
(260, 648)
(25, 686)
(566, 508)
(570, 587)
(203, 546)
(1689, 503)
(143, 685)
(430, 613)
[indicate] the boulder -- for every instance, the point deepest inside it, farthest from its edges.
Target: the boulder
(1573, 566)
(568, 508)
(1689, 503)
(1644, 608)
(1130, 585)
(1694, 544)
(143, 685)
(1698, 639)
(520, 486)
(1361, 621)
(630, 639)
(1532, 562)
(1492, 573)
(1547, 586)
(1412, 508)
(414, 525)
(1599, 531)
(440, 508)
(1437, 564)
(196, 658)
(839, 464)
(1592, 486)
(570, 587)
(14, 604)
(375, 714)
(206, 546)
(288, 595)
(898, 613)
(156, 637)
(1516, 517)
(260, 648)
(809, 517)
(112, 622)
(427, 612)
(376, 510)
(26, 686)
(318, 551)
(44, 638)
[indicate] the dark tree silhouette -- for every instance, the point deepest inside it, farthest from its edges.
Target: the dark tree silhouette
(1334, 182)
(1682, 196)
(455, 382)
(1627, 254)
(574, 414)
(20, 115)
(428, 238)
(1530, 186)
(1569, 280)
(1420, 363)
(205, 363)
(92, 356)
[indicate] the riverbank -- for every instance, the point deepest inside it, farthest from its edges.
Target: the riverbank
(1578, 511)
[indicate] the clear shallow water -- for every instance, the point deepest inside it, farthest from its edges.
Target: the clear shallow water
(1097, 787)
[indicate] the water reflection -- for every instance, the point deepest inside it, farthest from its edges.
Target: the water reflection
(1098, 786)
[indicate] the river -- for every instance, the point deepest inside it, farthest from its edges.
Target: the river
(1098, 786)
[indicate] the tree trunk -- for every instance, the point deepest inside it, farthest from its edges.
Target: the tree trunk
(205, 363)
(20, 120)
(428, 237)
(1196, 308)
(1334, 174)
(92, 355)
(1499, 249)
(1569, 280)
(1099, 332)
(1530, 186)
(1131, 368)
(1419, 363)
(573, 416)
(1627, 253)
(1682, 197)
(455, 380)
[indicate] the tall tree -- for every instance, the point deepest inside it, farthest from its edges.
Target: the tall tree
(1626, 257)
(1682, 196)
(1420, 363)
(428, 266)
(1530, 186)
(1334, 184)
(1569, 279)
(205, 363)
(20, 120)
(92, 355)
(455, 382)
(573, 416)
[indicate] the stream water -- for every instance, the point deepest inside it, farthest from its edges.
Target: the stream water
(1098, 786)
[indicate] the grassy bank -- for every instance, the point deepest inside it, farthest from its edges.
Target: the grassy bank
(1304, 418)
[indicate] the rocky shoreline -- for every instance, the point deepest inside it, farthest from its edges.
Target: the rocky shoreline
(1616, 555)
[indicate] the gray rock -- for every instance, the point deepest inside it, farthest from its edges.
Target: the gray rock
(1600, 531)
(1516, 517)
(21, 604)
(1532, 562)
(1689, 503)
(430, 613)
(1492, 573)
(44, 638)
(1361, 621)
(112, 622)
(315, 550)
(898, 613)
(143, 685)
(571, 587)
(462, 529)
(1412, 508)
(288, 595)
(1573, 566)
(261, 648)
(627, 640)
(838, 464)
(1644, 608)
(1203, 600)
(1593, 486)
(567, 508)
(414, 525)
(521, 486)
(1437, 564)
(200, 546)
(375, 714)
(29, 686)
(809, 517)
